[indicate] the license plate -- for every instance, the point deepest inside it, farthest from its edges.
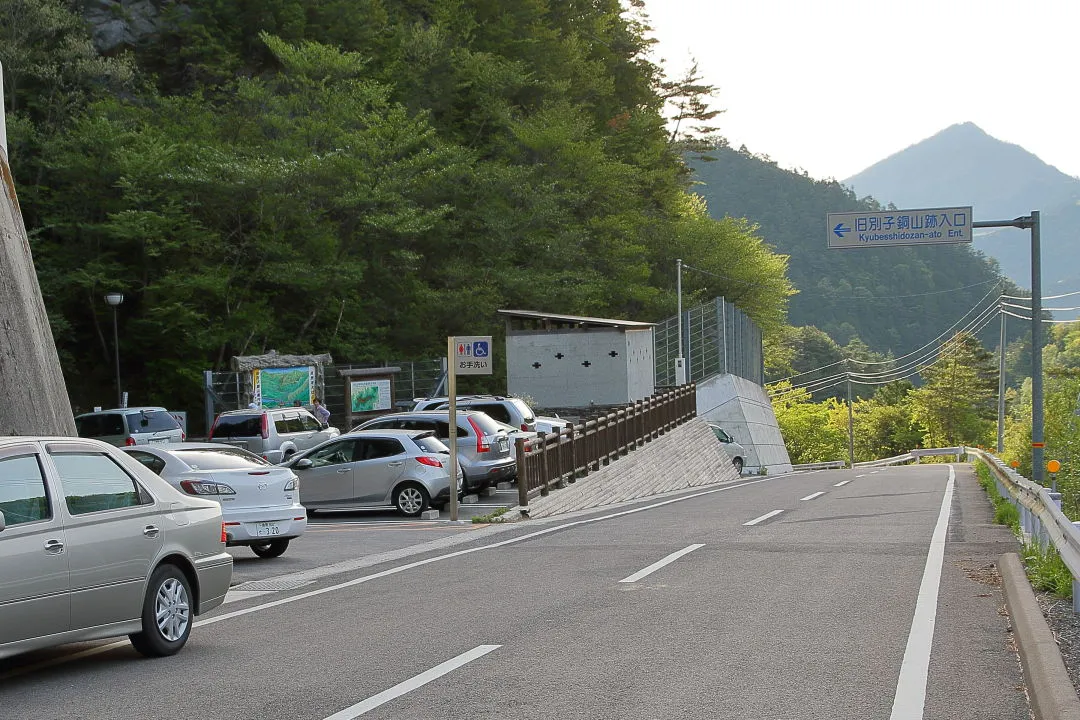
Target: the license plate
(159, 441)
(266, 529)
(504, 444)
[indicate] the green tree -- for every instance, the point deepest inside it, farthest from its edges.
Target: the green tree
(957, 404)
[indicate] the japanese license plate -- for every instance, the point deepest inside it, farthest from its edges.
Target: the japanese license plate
(265, 529)
(504, 444)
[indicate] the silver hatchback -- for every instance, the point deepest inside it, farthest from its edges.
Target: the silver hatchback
(483, 447)
(274, 434)
(94, 545)
(405, 469)
(126, 427)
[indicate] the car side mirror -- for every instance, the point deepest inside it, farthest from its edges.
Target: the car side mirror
(2, 524)
(303, 464)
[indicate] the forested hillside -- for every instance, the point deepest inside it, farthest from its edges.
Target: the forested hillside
(895, 299)
(362, 177)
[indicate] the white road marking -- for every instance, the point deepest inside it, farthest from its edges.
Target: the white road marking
(661, 563)
(873, 472)
(910, 696)
(413, 683)
(764, 517)
(859, 476)
(235, 595)
(842, 483)
(814, 495)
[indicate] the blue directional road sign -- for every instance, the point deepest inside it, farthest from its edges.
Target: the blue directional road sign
(472, 355)
(925, 226)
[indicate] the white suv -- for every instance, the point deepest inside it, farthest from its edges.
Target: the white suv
(509, 410)
(274, 434)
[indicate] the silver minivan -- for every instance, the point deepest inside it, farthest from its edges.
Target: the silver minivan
(483, 446)
(94, 545)
(127, 427)
(274, 434)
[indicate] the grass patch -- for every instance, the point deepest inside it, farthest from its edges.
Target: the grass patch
(492, 517)
(1047, 571)
(1005, 513)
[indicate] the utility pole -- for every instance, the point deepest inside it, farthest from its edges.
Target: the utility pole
(680, 362)
(1001, 386)
(850, 420)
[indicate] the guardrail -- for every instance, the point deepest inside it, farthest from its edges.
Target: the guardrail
(1040, 515)
(554, 459)
(830, 465)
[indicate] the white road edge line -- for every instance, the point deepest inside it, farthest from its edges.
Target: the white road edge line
(910, 699)
(661, 563)
(813, 495)
(763, 518)
(413, 683)
(842, 483)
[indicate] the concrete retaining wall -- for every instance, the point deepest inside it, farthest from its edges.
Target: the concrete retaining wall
(743, 409)
(688, 456)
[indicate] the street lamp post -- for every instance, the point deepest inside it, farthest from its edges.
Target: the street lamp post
(113, 300)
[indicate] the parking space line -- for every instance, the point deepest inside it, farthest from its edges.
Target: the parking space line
(413, 683)
(763, 518)
(842, 483)
(859, 476)
(644, 572)
(813, 495)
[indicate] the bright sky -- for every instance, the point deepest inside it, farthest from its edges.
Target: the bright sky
(833, 86)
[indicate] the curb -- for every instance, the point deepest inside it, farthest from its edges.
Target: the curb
(1050, 690)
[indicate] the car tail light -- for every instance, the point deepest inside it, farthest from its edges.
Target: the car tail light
(183, 436)
(481, 446)
(130, 442)
(210, 435)
(265, 426)
(525, 427)
(200, 487)
(291, 485)
(224, 537)
(429, 461)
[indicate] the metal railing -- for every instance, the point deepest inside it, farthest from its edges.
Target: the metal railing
(912, 456)
(827, 465)
(1040, 515)
(554, 459)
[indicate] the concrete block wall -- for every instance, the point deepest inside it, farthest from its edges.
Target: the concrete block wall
(688, 456)
(743, 409)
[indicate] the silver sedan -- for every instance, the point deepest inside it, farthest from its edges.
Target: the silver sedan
(94, 545)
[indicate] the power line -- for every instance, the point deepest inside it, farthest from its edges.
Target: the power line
(1044, 297)
(900, 297)
(1045, 320)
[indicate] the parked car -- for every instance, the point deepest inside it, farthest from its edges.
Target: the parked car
(274, 434)
(405, 469)
(94, 545)
(735, 451)
(551, 424)
(260, 502)
(514, 434)
(509, 410)
(483, 447)
(125, 427)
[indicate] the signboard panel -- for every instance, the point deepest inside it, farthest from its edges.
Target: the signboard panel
(369, 395)
(472, 355)
(923, 226)
(283, 387)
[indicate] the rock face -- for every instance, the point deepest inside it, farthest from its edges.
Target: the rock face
(33, 395)
(116, 24)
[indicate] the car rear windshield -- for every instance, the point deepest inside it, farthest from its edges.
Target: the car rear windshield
(431, 444)
(526, 413)
(223, 458)
(231, 426)
(151, 421)
(485, 423)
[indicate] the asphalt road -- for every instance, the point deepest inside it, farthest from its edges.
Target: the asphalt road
(818, 595)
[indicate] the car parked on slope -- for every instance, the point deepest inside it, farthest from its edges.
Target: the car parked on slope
(274, 434)
(125, 427)
(408, 470)
(94, 545)
(483, 447)
(510, 410)
(735, 451)
(260, 502)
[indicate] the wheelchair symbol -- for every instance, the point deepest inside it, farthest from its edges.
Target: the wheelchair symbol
(480, 349)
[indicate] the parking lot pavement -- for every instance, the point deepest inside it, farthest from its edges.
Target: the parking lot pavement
(334, 537)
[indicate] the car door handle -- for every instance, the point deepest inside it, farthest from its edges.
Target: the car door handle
(54, 547)
(150, 531)
(396, 463)
(343, 471)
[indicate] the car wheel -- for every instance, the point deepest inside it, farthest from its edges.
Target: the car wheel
(271, 549)
(411, 499)
(287, 455)
(737, 462)
(166, 614)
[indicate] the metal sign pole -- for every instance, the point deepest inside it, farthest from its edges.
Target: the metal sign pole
(850, 420)
(451, 389)
(1001, 386)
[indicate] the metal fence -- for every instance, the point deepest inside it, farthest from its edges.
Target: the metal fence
(718, 338)
(554, 459)
(419, 378)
